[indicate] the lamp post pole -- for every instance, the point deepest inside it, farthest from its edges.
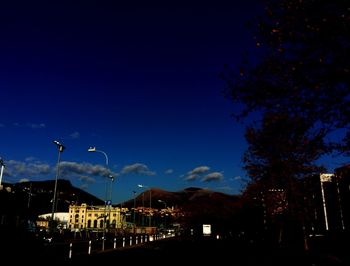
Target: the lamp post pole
(134, 213)
(150, 203)
(93, 149)
(60, 150)
(2, 169)
(162, 201)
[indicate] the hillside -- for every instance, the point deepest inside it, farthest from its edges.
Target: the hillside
(35, 197)
(197, 205)
(182, 199)
(192, 206)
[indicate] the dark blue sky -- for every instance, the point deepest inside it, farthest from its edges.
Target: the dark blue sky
(138, 81)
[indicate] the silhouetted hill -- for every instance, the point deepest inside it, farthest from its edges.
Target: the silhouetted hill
(35, 197)
(181, 199)
(197, 205)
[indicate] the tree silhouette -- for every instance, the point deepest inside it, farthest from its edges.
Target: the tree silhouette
(281, 154)
(304, 67)
(297, 94)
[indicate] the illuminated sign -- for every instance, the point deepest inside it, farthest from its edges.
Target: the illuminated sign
(206, 229)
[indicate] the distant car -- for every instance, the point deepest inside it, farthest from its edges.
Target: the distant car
(48, 239)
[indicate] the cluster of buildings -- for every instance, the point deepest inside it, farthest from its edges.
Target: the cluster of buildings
(109, 219)
(323, 202)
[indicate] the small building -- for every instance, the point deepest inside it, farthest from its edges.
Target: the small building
(93, 217)
(61, 217)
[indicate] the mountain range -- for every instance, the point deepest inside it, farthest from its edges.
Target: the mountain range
(197, 205)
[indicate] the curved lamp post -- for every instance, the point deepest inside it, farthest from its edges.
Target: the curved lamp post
(150, 202)
(162, 201)
(133, 219)
(93, 149)
(60, 150)
(2, 169)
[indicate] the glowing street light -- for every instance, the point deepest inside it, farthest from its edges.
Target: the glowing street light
(162, 201)
(60, 150)
(93, 149)
(2, 169)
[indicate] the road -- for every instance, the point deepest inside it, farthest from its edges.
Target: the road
(175, 250)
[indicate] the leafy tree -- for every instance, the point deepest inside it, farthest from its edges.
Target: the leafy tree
(280, 154)
(304, 67)
(300, 88)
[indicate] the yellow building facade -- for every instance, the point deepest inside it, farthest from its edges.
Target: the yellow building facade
(83, 217)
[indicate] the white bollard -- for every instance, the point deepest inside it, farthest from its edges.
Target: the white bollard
(141, 239)
(115, 243)
(123, 242)
(131, 241)
(70, 250)
(89, 250)
(137, 239)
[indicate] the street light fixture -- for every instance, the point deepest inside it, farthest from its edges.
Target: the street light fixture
(133, 219)
(150, 202)
(93, 149)
(2, 169)
(162, 201)
(60, 150)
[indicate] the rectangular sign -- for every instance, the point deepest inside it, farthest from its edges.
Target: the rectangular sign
(206, 229)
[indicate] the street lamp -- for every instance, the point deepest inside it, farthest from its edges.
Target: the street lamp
(93, 149)
(133, 219)
(60, 150)
(150, 203)
(162, 201)
(2, 169)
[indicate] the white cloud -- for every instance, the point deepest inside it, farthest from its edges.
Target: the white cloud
(36, 126)
(26, 169)
(23, 180)
(30, 125)
(84, 186)
(87, 179)
(137, 168)
(73, 168)
(215, 176)
(191, 177)
(199, 170)
(196, 173)
(75, 135)
(169, 171)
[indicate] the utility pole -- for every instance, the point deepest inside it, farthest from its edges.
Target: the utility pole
(2, 169)
(60, 150)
